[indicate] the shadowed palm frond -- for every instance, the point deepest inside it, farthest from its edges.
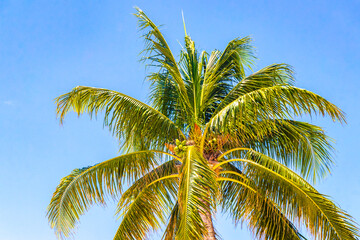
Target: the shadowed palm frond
(172, 226)
(166, 169)
(158, 55)
(299, 145)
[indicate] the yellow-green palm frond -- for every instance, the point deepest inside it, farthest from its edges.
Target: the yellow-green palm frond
(172, 226)
(168, 168)
(231, 63)
(299, 145)
(244, 204)
(129, 119)
(300, 201)
(222, 69)
(235, 143)
(164, 96)
(87, 186)
(275, 74)
(277, 102)
(191, 67)
(197, 189)
(148, 210)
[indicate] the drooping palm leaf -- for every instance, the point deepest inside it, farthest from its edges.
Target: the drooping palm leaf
(224, 68)
(84, 187)
(299, 145)
(322, 217)
(273, 75)
(147, 211)
(277, 102)
(129, 119)
(263, 217)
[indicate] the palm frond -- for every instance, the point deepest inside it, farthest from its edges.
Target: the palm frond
(196, 188)
(263, 217)
(277, 102)
(85, 187)
(301, 146)
(148, 210)
(320, 215)
(191, 67)
(273, 75)
(166, 169)
(172, 226)
(158, 54)
(222, 70)
(129, 119)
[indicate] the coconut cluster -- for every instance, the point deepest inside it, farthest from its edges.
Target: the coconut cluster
(180, 148)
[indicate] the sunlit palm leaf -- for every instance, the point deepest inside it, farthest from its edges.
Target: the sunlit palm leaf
(299, 145)
(166, 169)
(272, 179)
(277, 102)
(216, 121)
(147, 211)
(263, 217)
(131, 120)
(196, 188)
(84, 187)
(276, 74)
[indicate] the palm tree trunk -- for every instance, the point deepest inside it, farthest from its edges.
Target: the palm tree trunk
(210, 234)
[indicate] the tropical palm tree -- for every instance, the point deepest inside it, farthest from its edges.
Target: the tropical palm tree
(212, 139)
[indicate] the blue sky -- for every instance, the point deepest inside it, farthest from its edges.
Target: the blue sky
(49, 47)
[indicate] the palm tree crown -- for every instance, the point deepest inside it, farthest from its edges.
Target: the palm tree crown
(213, 138)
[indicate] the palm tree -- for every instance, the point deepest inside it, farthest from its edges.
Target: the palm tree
(213, 138)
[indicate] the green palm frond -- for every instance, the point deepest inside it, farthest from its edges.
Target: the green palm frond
(163, 96)
(196, 190)
(166, 169)
(277, 102)
(299, 145)
(63, 225)
(158, 54)
(222, 70)
(263, 217)
(129, 119)
(172, 226)
(321, 216)
(87, 186)
(191, 66)
(273, 75)
(148, 211)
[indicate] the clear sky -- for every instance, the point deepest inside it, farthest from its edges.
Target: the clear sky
(49, 47)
